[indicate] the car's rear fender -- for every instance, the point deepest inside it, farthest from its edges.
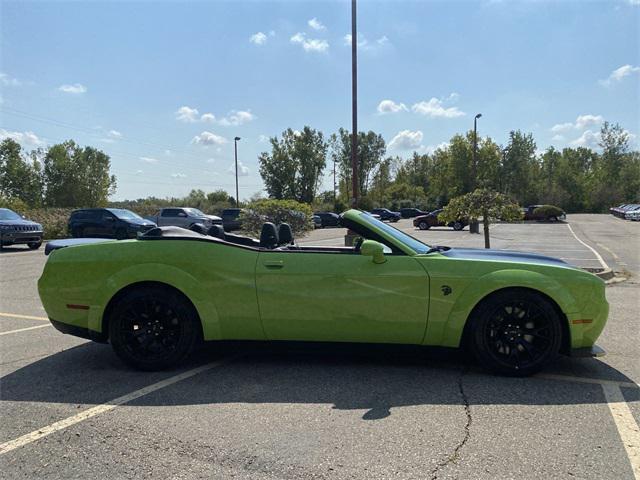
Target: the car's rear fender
(164, 274)
(448, 319)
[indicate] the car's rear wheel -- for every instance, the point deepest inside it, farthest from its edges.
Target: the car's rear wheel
(424, 225)
(457, 226)
(515, 332)
(553, 218)
(153, 328)
(34, 245)
(121, 234)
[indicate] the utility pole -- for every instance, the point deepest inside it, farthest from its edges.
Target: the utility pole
(473, 226)
(334, 183)
(235, 147)
(354, 106)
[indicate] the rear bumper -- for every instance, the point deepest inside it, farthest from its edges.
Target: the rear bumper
(586, 352)
(79, 331)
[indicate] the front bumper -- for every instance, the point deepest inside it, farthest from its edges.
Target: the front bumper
(11, 237)
(586, 352)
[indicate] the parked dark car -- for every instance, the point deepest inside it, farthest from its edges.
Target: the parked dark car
(543, 213)
(328, 219)
(107, 223)
(386, 215)
(425, 222)
(411, 212)
(317, 221)
(16, 229)
(231, 219)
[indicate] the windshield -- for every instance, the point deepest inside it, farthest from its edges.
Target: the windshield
(123, 214)
(195, 211)
(399, 235)
(6, 214)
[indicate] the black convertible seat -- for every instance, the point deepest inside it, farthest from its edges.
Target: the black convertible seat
(241, 240)
(216, 231)
(269, 236)
(170, 232)
(285, 235)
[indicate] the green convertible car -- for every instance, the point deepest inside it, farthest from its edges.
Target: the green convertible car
(156, 297)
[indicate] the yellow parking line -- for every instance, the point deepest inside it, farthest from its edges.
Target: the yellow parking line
(25, 317)
(25, 329)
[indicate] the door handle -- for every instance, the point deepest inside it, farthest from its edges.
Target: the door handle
(274, 264)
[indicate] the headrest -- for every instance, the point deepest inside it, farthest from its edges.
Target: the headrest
(199, 228)
(285, 235)
(269, 236)
(216, 231)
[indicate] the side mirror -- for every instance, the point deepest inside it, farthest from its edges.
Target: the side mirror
(371, 248)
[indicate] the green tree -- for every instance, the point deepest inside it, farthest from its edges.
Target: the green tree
(482, 203)
(20, 177)
(76, 176)
(293, 169)
(519, 167)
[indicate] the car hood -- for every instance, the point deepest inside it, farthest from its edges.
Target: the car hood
(213, 217)
(503, 256)
(18, 222)
(140, 221)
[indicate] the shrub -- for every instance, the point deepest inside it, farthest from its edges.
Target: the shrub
(296, 214)
(548, 211)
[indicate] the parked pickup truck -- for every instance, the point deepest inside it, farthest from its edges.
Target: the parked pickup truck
(183, 217)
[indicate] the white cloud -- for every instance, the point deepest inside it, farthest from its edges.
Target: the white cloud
(406, 140)
(76, 88)
(208, 118)
(557, 138)
(24, 138)
(187, 114)
(211, 160)
(435, 108)
(389, 106)
(310, 44)
(149, 159)
(582, 122)
(243, 170)
(168, 153)
(263, 138)
(114, 134)
(139, 172)
(620, 73)
(430, 149)
(8, 81)
(258, 38)
(364, 44)
(208, 138)
(178, 175)
(316, 24)
(237, 117)
(587, 139)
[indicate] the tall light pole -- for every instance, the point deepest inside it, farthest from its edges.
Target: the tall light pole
(354, 105)
(473, 226)
(235, 148)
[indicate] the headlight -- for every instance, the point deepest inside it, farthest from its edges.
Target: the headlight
(5, 228)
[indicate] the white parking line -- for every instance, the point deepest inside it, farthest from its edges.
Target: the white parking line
(602, 262)
(626, 425)
(25, 317)
(24, 329)
(105, 407)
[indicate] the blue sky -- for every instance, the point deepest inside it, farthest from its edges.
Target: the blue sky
(163, 87)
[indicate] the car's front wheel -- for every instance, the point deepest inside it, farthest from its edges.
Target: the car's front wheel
(153, 328)
(424, 225)
(34, 245)
(457, 226)
(515, 332)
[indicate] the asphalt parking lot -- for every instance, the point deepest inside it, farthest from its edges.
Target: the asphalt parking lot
(70, 409)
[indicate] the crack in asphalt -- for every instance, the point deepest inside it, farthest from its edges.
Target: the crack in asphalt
(467, 431)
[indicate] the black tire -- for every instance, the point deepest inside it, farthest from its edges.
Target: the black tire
(153, 328)
(553, 219)
(77, 232)
(424, 225)
(121, 234)
(34, 245)
(515, 332)
(457, 226)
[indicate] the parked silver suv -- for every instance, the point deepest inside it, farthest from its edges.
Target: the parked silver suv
(16, 229)
(183, 217)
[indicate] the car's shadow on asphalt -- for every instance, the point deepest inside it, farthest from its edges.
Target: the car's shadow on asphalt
(372, 379)
(15, 249)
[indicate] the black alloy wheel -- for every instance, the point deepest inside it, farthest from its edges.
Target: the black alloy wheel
(153, 328)
(121, 233)
(457, 226)
(516, 332)
(423, 225)
(34, 245)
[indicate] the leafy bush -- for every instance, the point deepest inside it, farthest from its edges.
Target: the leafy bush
(548, 211)
(296, 214)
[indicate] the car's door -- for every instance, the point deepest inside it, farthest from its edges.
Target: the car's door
(341, 297)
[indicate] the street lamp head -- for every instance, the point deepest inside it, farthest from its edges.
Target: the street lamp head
(237, 138)
(478, 115)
